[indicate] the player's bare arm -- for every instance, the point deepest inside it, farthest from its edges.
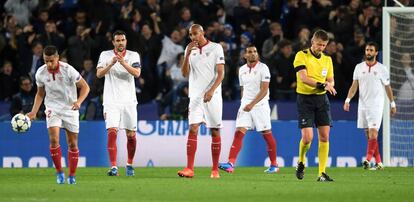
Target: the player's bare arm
(351, 93)
(264, 86)
(83, 93)
(390, 96)
(185, 68)
(328, 86)
(220, 76)
(101, 71)
(40, 94)
(134, 71)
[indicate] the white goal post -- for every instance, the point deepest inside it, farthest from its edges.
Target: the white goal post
(398, 132)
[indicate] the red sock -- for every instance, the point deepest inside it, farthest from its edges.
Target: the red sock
(112, 145)
(56, 154)
(215, 150)
(191, 149)
(73, 156)
(377, 153)
(271, 147)
(236, 146)
(131, 146)
(371, 148)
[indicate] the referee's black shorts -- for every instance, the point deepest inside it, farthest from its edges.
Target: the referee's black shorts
(313, 110)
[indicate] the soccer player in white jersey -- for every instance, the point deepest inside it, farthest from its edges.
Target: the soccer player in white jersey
(204, 64)
(120, 66)
(370, 77)
(57, 83)
(254, 111)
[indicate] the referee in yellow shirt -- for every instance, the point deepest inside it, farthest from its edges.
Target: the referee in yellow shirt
(314, 74)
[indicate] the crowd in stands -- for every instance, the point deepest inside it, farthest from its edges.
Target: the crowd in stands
(158, 31)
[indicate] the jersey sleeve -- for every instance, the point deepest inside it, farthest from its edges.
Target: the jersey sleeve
(385, 77)
(74, 75)
(265, 74)
(355, 75)
(220, 55)
(240, 77)
(330, 68)
(300, 61)
(39, 81)
(136, 61)
(101, 61)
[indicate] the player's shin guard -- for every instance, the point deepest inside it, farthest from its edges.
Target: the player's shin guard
(191, 149)
(215, 150)
(303, 148)
(131, 146)
(73, 155)
(112, 145)
(377, 154)
(56, 154)
(372, 143)
(323, 152)
(271, 147)
(236, 146)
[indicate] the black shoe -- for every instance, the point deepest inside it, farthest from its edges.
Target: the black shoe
(365, 165)
(324, 178)
(300, 170)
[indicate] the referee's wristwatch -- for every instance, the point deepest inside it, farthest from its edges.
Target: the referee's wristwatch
(320, 85)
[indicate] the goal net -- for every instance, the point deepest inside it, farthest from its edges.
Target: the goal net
(398, 55)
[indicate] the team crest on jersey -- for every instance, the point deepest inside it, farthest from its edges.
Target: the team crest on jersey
(363, 72)
(207, 54)
(194, 54)
(375, 73)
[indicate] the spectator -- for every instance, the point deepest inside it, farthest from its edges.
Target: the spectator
(8, 82)
(303, 39)
(406, 91)
(178, 83)
(52, 37)
(80, 46)
(168, 56)
(283, 84)
(270, 44)
(22, 102)
(21, 10)
(334, 50)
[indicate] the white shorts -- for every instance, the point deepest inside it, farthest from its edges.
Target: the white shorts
(68, 119)
(369, 118)
(258, 117)
(121, 117)
(209, 113)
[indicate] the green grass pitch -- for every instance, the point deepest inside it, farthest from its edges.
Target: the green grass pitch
(246, 184)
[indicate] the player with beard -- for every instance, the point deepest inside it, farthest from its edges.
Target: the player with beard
(120, 68)
(371, 77)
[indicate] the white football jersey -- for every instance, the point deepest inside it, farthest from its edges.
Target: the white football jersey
(203, 72)
(119, 87)
(250, 79)
(60, 87)
(371, 82)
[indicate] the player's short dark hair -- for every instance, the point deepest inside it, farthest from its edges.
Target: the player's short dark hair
(250, 45)
(50, 50)
(321, 34)
(371, 43)
(118, 32)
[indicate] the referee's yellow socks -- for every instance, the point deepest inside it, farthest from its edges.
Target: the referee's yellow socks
(303, 148)
(323, 151)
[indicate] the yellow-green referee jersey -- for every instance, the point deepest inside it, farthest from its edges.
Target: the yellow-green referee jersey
(319, 69)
